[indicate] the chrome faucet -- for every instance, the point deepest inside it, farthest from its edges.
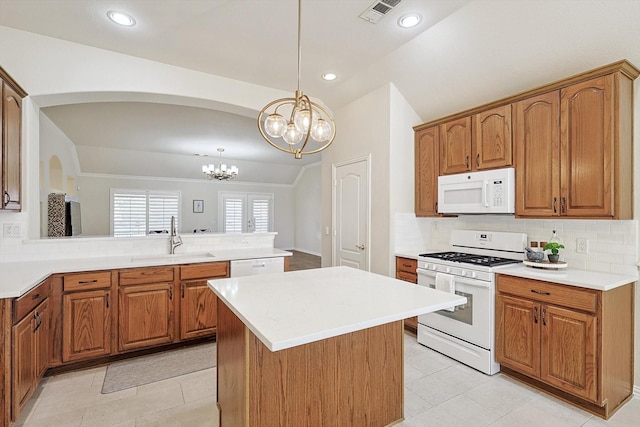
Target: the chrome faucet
(175, 240)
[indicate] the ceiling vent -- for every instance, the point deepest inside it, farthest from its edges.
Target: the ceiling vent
(377, 10)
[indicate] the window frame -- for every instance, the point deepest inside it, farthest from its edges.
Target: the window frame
(147, 195)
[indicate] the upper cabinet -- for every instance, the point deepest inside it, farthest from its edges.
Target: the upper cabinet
(492, 139)
(571, 143)
(426, 173)
(455, 146)
(10, 126)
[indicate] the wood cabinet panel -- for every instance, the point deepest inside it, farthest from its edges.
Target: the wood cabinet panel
(11, 143)
(492, 146)
(427, 148)
(42, 341)
(30, 300)
(587, 132)
(86, 281)
(86, 325)
(137, 276)
(24, 353)
(406, 270)
(146, 315)
(569, 349)
(455, 146)
(518, 334)
(204, 271)
(536, 131)
(198, 312)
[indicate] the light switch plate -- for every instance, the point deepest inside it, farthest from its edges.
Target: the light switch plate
(12, 230)
(582, 246)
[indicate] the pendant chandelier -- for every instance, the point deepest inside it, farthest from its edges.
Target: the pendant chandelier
(297, 125)
(220, 171)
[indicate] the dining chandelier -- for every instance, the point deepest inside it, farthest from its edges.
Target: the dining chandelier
(297, 125)
(220, 171)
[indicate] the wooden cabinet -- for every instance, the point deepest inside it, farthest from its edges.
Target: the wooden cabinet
(478, 142)
(86, 316)
(491, 142)
(30, 352)
(10, 133)
(455, 146)
(427, 148)
(406, 270)
(574, 342)
(536, 128)
(574, 151)
(145, 307)
(198, 315)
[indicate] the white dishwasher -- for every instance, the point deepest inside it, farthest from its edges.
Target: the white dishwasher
(250, 267)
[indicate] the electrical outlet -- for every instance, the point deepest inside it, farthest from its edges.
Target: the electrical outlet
(12, 230)
(582, 246)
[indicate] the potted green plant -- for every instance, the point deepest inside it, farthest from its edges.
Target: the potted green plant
(554, 247)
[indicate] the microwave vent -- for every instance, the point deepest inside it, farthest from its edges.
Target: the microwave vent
(378, 9)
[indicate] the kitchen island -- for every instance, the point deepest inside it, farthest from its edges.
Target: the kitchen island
(315, 347)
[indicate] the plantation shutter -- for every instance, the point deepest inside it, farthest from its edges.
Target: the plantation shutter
(129, 214)
(161, 208)
(234, 208)
(261, 213)
(246, 212)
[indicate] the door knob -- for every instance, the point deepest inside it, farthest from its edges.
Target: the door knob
(361, 247)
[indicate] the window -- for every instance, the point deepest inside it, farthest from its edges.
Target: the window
(246, 212)
(139, 212)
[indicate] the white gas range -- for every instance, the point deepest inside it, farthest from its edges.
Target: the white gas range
(467, 333)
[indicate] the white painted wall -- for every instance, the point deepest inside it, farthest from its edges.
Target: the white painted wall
(308, 216)
(363, 127)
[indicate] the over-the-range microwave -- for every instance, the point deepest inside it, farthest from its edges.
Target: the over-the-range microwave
(486, 192)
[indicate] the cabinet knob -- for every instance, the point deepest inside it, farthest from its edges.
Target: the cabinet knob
(7, 198)
(478, 160)
(555, 205)
(466, 162)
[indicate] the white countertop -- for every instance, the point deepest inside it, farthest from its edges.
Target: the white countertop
(17, 278)
(285, 310)
(597, 280)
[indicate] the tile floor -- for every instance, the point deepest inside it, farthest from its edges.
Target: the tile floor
(439, 392)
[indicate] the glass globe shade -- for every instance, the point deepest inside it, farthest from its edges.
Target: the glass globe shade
(321, 130)
(303, 119)
(275, 125)
(292, 135)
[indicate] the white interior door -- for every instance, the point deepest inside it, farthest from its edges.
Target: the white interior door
(351, 214)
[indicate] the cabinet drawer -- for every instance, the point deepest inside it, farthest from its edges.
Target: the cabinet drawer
(27, 302)
(406, 264)
(204, 271)
(407, 277)
(137, 276)
(86, 281)
(550, 293)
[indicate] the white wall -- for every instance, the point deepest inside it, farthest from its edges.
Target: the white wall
(308, 216)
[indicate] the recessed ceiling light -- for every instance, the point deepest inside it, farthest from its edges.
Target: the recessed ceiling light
(329, 76)
(121, 18)
(409, 20)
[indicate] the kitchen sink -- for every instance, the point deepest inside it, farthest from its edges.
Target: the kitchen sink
(173, 258)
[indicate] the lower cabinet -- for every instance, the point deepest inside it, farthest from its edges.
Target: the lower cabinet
(406, 270)
(571, 341)
(198, 316)
(30, 338)
(86, 316)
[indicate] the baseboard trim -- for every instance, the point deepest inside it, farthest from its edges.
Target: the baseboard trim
(306, 251)
(636, 392)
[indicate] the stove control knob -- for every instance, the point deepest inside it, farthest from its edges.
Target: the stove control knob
(434, 267)
(448, 270)
(474, 275)
(463, 273)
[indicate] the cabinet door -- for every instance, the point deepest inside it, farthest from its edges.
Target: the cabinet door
(426, 173)
(42, 340)
(518, 334)
(24, 353)
(587, 131)
(86, 324)
(197, 309)
(569, 348)
(455, 146)
(536, 129)
(146, 315)
(12, 119)
(492, 139)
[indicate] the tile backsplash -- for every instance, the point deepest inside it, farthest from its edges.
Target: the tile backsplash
(612, 245)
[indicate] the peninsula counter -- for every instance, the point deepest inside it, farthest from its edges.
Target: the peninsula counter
(315, 347)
